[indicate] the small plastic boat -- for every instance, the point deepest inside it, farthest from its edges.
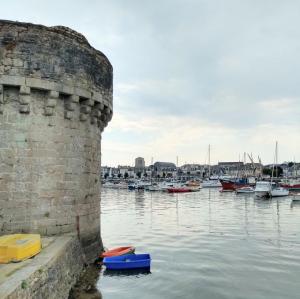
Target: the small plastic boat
(19, 247)
(128, 261)
(118, 251)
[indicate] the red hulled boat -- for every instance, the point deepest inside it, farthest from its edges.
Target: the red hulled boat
(233, 184)
(179, 190)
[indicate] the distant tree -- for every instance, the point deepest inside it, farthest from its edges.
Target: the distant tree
(145, 174)
(291, 164)
(126, 175)
(106, 175)
(139, 174)
(119, 175)
(164, 175)
(276, 172)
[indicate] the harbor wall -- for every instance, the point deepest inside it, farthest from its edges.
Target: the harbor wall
(55, 100)
(51, 274)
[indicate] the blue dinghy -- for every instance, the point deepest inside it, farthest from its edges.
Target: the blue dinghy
(128, 261)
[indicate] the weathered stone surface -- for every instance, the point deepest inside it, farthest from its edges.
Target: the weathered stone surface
(50, 274)
(55, 100)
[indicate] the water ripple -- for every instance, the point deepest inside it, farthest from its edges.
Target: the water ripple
(203, 245)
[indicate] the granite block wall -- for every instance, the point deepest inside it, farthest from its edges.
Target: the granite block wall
(55, 100)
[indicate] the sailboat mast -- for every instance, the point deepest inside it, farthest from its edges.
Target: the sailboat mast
(209, 161)
(276, 158)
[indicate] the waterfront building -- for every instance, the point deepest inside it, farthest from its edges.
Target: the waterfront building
(139, 165)
(195, 170)
(230, 168)
(164, 169)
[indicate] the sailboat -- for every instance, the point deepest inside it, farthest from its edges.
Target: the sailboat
(210, 182)
(271, 189)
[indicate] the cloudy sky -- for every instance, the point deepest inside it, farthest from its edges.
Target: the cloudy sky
(188, 73)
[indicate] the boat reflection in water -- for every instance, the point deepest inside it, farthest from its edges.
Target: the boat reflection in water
(132, 272)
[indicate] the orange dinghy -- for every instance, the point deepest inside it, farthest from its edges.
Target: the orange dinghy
(118, 251)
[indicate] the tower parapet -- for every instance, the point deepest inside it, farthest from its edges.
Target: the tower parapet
(55, 100)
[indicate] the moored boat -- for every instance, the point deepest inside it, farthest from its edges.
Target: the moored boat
(262, 189)
(154, 187)
(193, 184)
(291, 184)
(247, 189)
(178, 189)
(211, 183)
(269, 189)
(233, 184)
(128, 261)
(118, 251)
(277, 191)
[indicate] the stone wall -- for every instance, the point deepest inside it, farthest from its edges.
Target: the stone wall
(55, 100)
(50, 274)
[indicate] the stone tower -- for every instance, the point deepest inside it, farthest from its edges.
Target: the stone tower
(55, 100)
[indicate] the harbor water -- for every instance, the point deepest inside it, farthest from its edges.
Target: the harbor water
(206, 244)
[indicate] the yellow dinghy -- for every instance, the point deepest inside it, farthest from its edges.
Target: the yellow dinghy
(19, 247)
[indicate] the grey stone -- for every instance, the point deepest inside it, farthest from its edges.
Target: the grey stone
(47, 94)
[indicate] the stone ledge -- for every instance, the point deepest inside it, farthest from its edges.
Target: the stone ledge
(51, 274)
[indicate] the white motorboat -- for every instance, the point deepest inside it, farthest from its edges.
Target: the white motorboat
(263, 189)
(269, 189)
(164, 186)
(153, 187)
(211, 184)
(278, 191)
(247, 189)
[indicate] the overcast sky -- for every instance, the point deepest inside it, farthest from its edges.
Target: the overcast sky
(188, 73)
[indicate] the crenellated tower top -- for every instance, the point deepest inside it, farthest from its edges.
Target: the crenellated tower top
(58, 60)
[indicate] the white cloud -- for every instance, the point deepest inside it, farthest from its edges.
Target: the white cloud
(190, 74)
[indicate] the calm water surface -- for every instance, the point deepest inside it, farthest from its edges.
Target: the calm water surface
(203, 245)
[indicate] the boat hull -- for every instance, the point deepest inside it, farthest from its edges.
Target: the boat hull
(178, 190)
(119, 251)
(278, 192)
(232, 185)
(262, 194)
(244, 190)
(295, 187)
(128, 261)
(211, 184)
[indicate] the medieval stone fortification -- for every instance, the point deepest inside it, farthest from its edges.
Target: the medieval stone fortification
(55, 100)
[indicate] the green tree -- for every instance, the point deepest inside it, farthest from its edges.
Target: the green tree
(126, 175)
(277, 172)
(267, 171)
